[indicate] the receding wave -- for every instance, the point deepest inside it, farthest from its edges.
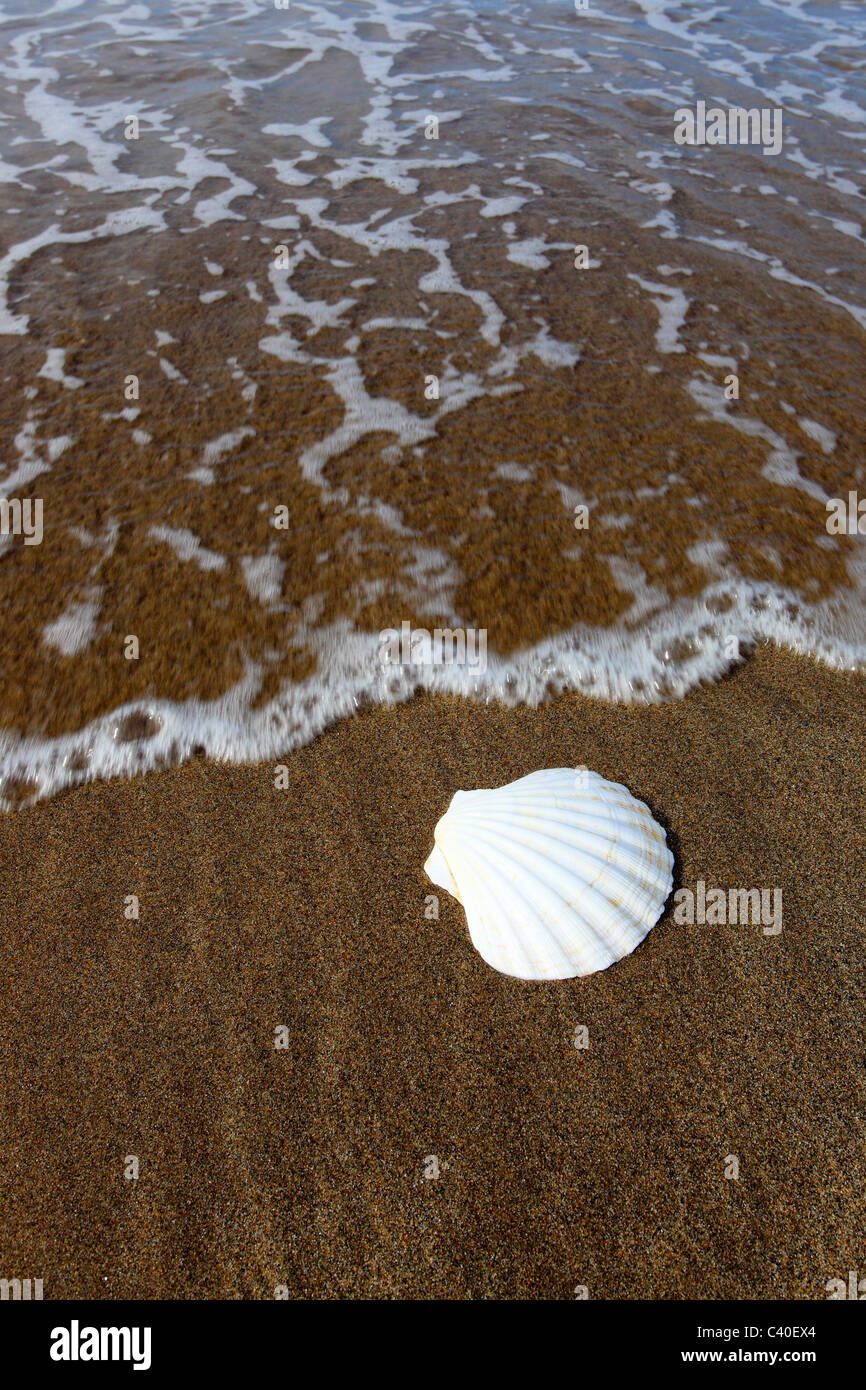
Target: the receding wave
(325, 322)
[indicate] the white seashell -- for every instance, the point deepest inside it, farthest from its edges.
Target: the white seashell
(560, 873)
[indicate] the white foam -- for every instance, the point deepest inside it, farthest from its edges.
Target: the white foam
(196, 166)
(172, 372)
(529, 253)
(31, 462)
(187, 546)
(53, 369)
(551, 351)
(561, 157)
(502, 207)
(215, 449)
(363, 414)
(779, 271)
(311, 131)
(616, 665)
(74, 630)
(264, 576)
(514, 472)
(826, 438)
(672, 306)
(781, 466)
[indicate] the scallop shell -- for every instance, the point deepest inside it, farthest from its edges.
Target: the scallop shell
(560, 873)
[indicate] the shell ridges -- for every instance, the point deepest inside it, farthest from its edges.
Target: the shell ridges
(560, 873)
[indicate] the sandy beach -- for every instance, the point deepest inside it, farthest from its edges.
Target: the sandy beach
(305, 1170)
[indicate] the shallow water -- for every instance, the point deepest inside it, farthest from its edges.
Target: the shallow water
(281, 484)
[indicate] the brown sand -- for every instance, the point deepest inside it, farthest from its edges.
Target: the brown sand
(305, 907)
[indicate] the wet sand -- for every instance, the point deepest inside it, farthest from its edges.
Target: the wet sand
(304, 1168)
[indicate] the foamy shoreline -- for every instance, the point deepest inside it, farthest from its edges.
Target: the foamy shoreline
(310, 336)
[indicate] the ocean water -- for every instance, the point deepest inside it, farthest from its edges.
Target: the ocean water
(354, 317)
